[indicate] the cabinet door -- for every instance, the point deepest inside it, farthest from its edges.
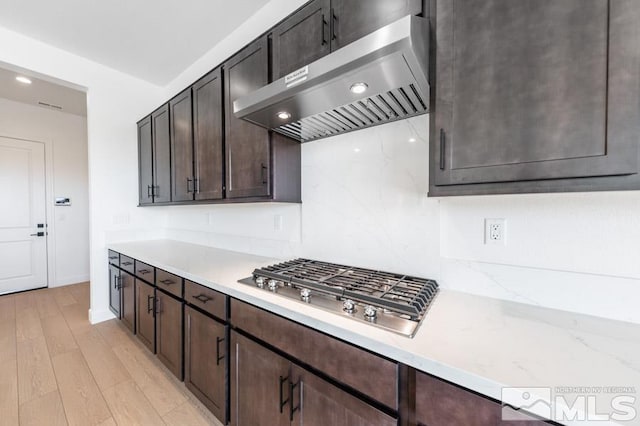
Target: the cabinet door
(316, 402)
(145, 314)
(247, 145)
(535, 90)
(128, 307)
(161, 155)
(301, 38)
(114, 290)
(169, 332)
(145, 162)
(352, 20)
(259, 380)
(208, 136)
(205, 363)
(182, 184)
(439, 403)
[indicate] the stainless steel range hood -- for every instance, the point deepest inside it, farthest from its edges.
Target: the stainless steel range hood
(322, 99)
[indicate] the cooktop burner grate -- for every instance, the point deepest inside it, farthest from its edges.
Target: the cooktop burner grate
(402, 294)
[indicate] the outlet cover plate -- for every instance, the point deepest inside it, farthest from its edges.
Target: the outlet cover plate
(495, 232)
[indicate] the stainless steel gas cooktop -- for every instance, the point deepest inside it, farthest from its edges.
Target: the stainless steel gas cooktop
(391, 301)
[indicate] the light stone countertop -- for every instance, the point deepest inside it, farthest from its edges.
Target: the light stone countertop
(479, 343)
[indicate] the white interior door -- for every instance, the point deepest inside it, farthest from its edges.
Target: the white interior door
(23, 254)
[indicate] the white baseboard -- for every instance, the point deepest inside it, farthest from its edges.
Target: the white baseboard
(70, 280)
(99, 316)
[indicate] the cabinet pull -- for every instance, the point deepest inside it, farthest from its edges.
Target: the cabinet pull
(442, 146)
(149, 191)
(263, 173)
(189, 182)
(155, 190)
(149, 307)
(127, 263)
(292, 409)
(203, 298)
(196, 185)
(323, 23)
(117, 283)
(218, 357)
(113, 257)
(282, 403)
(167, 282)
(334, 26)
(156, 305)
(144, 271)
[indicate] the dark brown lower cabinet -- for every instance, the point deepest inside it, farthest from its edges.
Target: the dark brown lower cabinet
(114, 289)
(145, 314)
(316, 402)
(205, 362)
(439, 403)
(169, 332)
(127, 306)
(258, 385)
(267, 389)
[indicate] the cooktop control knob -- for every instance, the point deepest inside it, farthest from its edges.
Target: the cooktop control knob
(305, 294)
(370, 313)
(273, 285)
(349, 306)
(260, 282)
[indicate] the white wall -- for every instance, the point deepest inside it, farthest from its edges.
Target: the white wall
(364, 203)
(115, 101)
(65, 138)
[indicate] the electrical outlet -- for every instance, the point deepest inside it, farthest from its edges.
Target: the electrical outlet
(495, 231)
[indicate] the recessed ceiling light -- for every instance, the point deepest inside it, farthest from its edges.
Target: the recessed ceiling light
(284, 115)
(356, 149)
(23, 80)
(412, 140)
(359, 88)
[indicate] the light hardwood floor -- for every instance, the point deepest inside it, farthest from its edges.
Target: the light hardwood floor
(58, 369)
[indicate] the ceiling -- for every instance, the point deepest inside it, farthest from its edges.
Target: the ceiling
(152, 40)
(42, 93)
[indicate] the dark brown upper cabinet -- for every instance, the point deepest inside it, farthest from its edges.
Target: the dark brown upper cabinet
(323, 26)
(248, 167)
(352, 19)
(182, 181)
(161, 189)
(302, 38)
(208, 137)
(145, 161)
(535, 96)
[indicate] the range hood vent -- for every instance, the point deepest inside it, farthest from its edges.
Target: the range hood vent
(321, 100)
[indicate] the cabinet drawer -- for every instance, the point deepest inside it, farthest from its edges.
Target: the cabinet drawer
(127, 263)
(347, 364)
(169, 282)
(206, 299)
(114, 258)
(145, 272)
